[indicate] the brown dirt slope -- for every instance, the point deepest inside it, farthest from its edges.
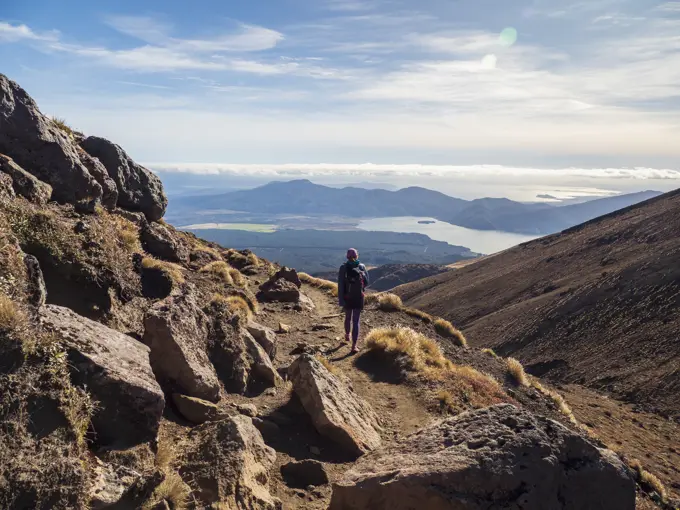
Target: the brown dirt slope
(597, 304)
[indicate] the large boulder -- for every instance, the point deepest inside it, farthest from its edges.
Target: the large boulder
(115, 370)
(40, 147)
(139, 189)
(497, 457)
(98, 171)
(264, 336)
(336, 411)
(24, 183)
(228, 462)
(279, 290)
(176, 330)
(159, 241)
(239, 359)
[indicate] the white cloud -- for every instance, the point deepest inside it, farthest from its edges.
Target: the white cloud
(385, 171)
(14, 33)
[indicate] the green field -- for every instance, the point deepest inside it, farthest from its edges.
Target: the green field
(249, 227)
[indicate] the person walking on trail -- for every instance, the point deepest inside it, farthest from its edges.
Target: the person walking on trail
(352, 282)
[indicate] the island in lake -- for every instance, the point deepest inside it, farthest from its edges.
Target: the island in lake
(427, 222)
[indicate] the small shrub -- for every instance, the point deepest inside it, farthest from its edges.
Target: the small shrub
(517, 372)
(445, 329)
(649, 481)
(419, 314)
(172, 270)
(389, 302)
(220, 269)
(490, 352)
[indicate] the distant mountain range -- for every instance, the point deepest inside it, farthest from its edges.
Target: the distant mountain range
(306, 198)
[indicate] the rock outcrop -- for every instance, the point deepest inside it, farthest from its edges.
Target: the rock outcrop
(194, 409)
(109, 483)
(264, 336)
(497, 457)
(41, 148)
(116, 371)
(228, 462)
(36, 290)
(284, 286)
(336, 411)
(176, 330)
(25, 184)
(161, 243)
(139, 189)
(109, 197)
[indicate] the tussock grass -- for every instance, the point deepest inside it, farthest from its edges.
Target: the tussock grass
(490, 352)
(78, 407)
(649, 481)
(389, 302)
(173, 490)
(516, 371)
(201, 248)
(12, 317)
(172, 270)
(220, 269)
(238, 278)
(235, 258)
(253, 260)
(460, 386)
(418, 314)
(327, 364)
(319, 283)
(447, 330)
(127, 233)
(558, 399)
(236, 304)
(62, 125)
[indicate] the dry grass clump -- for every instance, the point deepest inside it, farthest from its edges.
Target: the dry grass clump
(212, 252)
(252, 260)
(447, 330)
(461, 386)
(62, 125)
(220, 269)
(516, 371)
(172, 270)
(389, 302)
(649, 481)
(418, 314)
(78, 407)
(328, 365)
(126, 232)
(490, 352)
(236, 304)
(558, 399)
(238, 278)
(320, 283)
(11, 316)
(172, 489)
(236, 258)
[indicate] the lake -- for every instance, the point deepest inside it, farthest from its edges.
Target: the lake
(478, 241)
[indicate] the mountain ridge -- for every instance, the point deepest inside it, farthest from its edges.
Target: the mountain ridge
(304, 197)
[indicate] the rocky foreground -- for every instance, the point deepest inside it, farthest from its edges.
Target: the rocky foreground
(141, 367)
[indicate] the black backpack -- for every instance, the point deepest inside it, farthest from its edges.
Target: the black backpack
(354, 284)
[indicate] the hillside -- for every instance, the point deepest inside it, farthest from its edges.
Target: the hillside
(303, 197)
(597, 304)
(142, 367)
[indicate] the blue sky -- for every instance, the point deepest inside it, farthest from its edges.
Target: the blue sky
(539, 83)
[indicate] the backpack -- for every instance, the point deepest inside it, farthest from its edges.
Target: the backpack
(354, 285)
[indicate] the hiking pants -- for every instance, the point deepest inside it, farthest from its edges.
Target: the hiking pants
(352, 316)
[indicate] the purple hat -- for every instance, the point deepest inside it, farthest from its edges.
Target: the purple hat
(352, 254)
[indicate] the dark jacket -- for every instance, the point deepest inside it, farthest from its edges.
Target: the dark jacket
(341, 286)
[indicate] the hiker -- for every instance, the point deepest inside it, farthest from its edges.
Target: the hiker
(352, 282)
